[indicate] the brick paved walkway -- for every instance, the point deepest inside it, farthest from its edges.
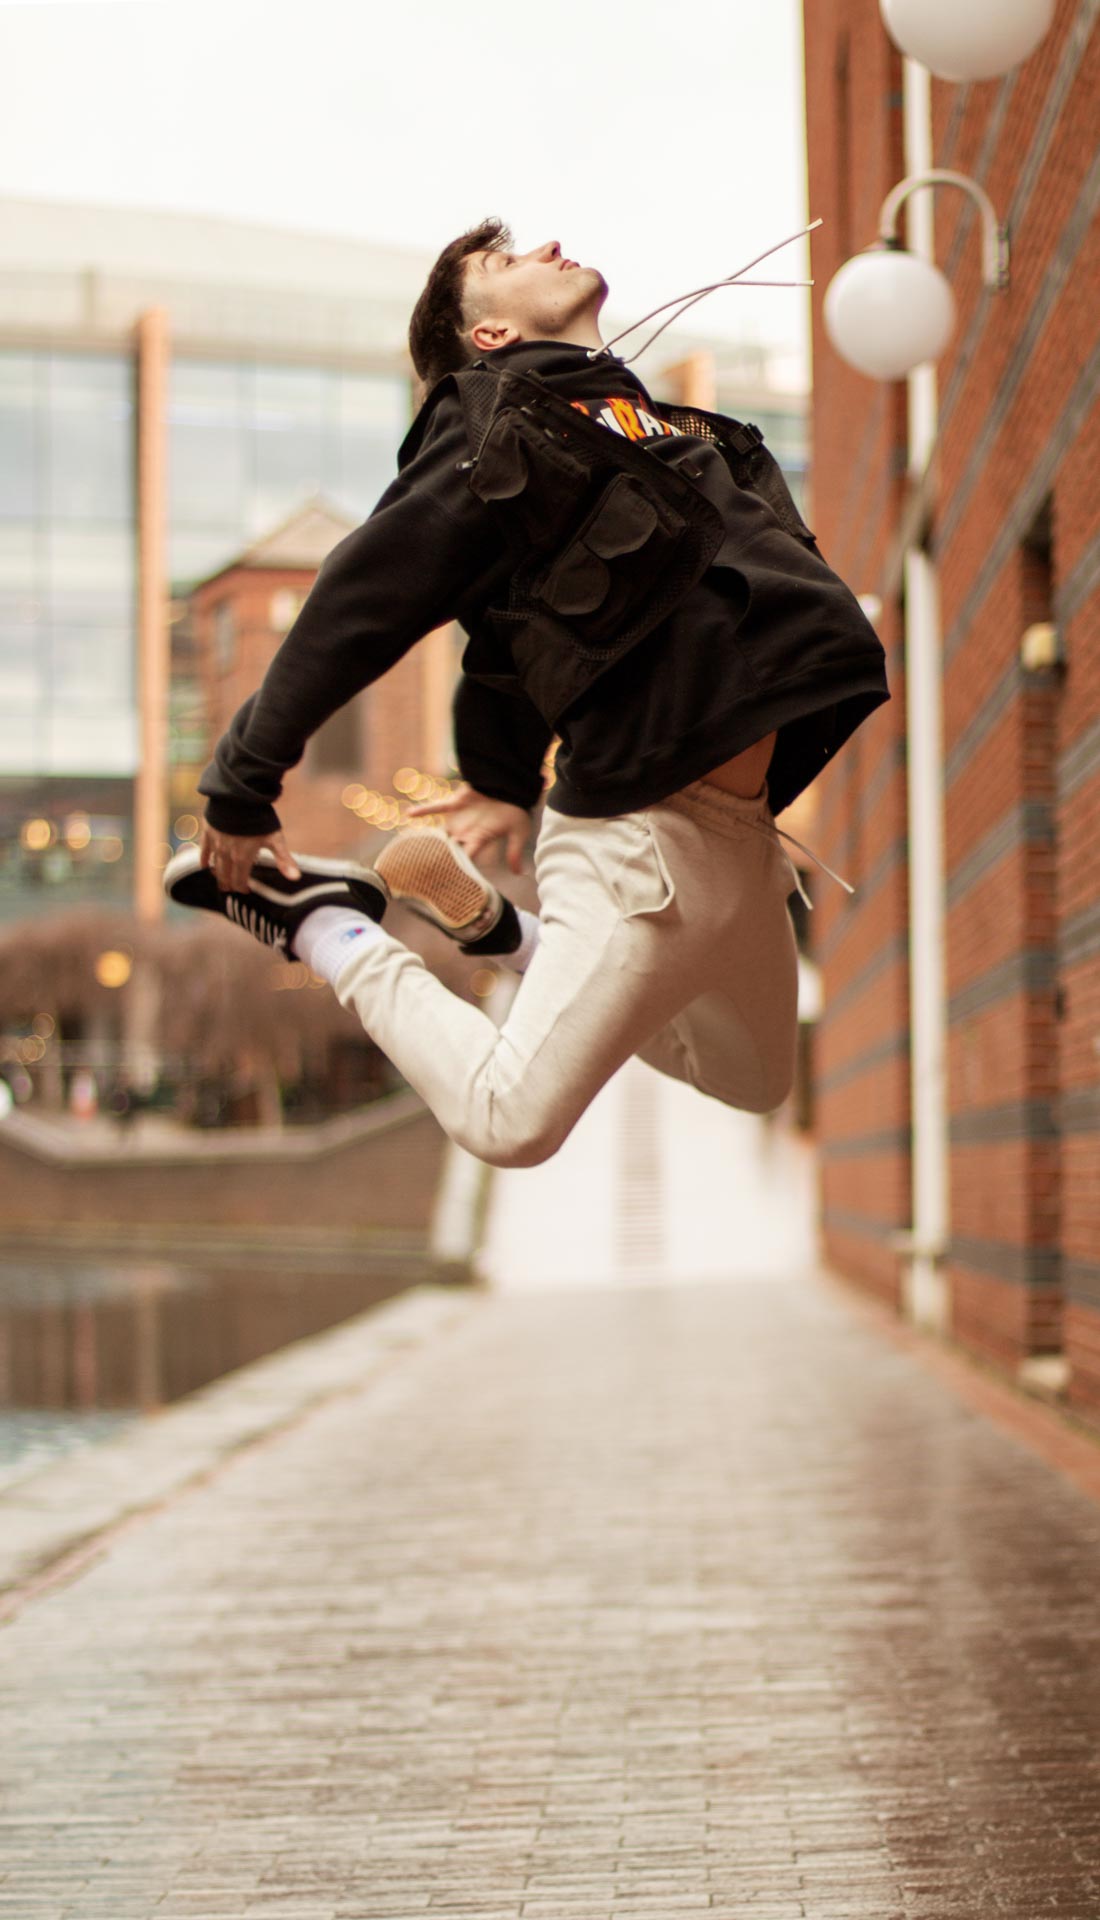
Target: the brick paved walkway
(650, 1602)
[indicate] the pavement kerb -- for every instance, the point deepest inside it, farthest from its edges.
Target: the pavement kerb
(52, 1521)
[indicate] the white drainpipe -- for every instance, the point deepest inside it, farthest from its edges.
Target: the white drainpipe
(924, 1285)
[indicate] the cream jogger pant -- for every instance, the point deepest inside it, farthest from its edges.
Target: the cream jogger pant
(665, 933)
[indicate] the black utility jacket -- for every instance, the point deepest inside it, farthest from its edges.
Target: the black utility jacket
(767, 639)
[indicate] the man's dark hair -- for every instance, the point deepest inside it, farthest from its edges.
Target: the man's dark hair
(439, 316)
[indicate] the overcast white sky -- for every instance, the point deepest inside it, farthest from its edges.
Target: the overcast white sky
(658, 139)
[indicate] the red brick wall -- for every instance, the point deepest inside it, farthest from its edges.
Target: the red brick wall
(1019, 425)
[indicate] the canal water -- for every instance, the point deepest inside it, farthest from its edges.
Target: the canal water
(88, 1345)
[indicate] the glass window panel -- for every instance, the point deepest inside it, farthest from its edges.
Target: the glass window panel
(89, 374)
(19, 571)
(282, 396)
(92, 666)
(20, 742)
(205, 393)
(19, 375)
(95, 740)
(287, 472)
(377, 402)
(89, 434)
(288, 422)
(373, 414)
(207, 447)
(363, 467)
(90, 573)
(19, 464)
(22, 660)
(207, 475)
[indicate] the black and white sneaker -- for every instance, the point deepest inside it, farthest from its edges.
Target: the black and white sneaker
(274, 908)
(431, 874)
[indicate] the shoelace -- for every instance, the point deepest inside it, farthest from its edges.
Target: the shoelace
(254, 922)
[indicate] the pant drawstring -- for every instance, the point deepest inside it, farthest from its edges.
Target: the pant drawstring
(846, 884)
(771, 829)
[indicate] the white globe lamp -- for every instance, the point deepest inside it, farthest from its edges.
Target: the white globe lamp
(967, 39)
(886, 312)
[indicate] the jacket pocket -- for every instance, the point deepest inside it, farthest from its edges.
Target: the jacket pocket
(614, 562)
(534, 485)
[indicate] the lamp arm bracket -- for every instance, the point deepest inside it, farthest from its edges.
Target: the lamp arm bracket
(994, 236)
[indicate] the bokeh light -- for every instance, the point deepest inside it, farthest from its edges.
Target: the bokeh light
(114, 967)
(36, 835)
(78, 832)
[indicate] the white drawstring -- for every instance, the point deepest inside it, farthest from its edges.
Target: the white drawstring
(770, 828)
(685, 300)
(846, 884)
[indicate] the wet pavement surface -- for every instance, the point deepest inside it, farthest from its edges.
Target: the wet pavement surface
(614, 1601)
(30, 1440)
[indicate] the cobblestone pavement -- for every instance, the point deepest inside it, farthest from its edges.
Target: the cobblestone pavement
(601, 1603)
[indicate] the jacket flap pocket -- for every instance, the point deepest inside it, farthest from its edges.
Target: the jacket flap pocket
(623, 521)
(578, 583)
(501, 470)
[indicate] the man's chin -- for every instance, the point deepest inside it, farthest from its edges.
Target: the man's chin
(590, 290)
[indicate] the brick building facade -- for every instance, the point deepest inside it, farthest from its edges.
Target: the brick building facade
(1006, 512)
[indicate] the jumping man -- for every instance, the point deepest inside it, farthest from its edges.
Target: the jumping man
(636, 581)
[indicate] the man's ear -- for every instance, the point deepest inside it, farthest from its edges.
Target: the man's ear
(488, 335)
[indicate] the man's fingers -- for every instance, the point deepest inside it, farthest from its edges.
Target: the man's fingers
(516, 844)
(284, 859)
(448, 804)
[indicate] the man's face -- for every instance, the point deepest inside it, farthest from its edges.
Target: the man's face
(539, 295)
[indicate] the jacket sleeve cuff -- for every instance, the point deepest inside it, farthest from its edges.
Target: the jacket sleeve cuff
(497, 790)
(240, 817)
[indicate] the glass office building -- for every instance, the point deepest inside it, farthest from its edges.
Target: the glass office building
(275, 393)
(247, 441)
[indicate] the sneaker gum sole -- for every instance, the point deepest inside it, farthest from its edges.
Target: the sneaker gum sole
(424, 870)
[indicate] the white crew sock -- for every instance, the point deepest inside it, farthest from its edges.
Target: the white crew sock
(328, 936)
(520, 960)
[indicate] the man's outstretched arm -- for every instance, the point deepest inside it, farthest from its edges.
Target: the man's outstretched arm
(378, 592)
